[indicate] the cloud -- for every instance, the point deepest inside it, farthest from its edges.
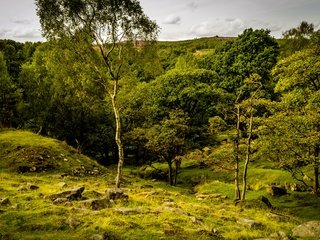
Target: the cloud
(220, 27)
(21, 34)
(172, 19)
(20, 21)
(192, 5)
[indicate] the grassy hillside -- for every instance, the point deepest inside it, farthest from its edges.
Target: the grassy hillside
(200, 207)
(23, 151)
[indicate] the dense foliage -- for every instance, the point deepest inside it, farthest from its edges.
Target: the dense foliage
(228, 101)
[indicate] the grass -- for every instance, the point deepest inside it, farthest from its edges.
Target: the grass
(163, 211)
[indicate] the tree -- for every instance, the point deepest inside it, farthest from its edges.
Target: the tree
(105, 28)
(168, 141)
(254, 51)
(294, 130)
(9, 95)
(298, 38)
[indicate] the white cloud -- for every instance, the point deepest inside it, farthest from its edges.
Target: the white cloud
(172, 19)
(21, 34)
(220, 27)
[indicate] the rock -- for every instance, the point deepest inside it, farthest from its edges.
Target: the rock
(128, 211)
(169, 204)
(5, 202)
(22, 188)
(73, 222)
(266, 201)
(97, 237)
(307, 230)
(209, 196)
(32, 186)
(278, 217)
(249, 223)
(281, 235)
(278, 191)
(146, 186)
(62, 184)
(116, 194)
(96, 204)
(60, 201)
(71, 194)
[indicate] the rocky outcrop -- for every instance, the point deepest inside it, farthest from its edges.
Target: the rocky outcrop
(307, 230)
(71, 194)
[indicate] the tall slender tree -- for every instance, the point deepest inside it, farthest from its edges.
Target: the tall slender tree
(105, 28)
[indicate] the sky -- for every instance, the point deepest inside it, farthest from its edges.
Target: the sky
(183, 19)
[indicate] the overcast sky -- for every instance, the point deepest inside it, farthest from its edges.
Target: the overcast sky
(183, 19)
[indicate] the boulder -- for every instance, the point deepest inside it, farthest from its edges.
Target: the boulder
(60, 200)
(5, 202)
(62, 184)
(128, 211)
(116, 194)
(32, 186)
(307, 230)
(71, 194)
(96, 204)
(278, 191)
(251, 224)
(73, 222)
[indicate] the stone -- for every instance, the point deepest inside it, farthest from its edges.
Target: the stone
(96, 204)
(73, 222)
(278, 191)
(266, 201)
(169, 204)
(5, 202)
(307, 230)
(146, 186)
(22, 188)
(60, 201)
(128, 211)
(32, 186)
(249, 223)
(116, 194)
(281, 235)
(62, 184)
(71, 194)
(97, 237)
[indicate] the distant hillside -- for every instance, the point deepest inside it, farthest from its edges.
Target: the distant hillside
(23, 151)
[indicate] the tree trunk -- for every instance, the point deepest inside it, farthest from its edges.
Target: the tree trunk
(236, 154)
(118, 133)
(248, 154)
(170, 172)
(316, 170)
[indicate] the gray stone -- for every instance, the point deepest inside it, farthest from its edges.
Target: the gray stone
(281, 235)
(116, 194)
(5, 202)
(307, 230)
(32, 186)
(22, 188)
(71, 194)
(73, 222)
(128, 211)
(62, 184)
(249, 223)
(60, 200)
(97, 237)
(96, 204)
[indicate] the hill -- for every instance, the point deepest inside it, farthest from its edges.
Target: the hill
(23, 151)
(45, 203)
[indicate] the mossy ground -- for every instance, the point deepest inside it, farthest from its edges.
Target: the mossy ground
(163, 211)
